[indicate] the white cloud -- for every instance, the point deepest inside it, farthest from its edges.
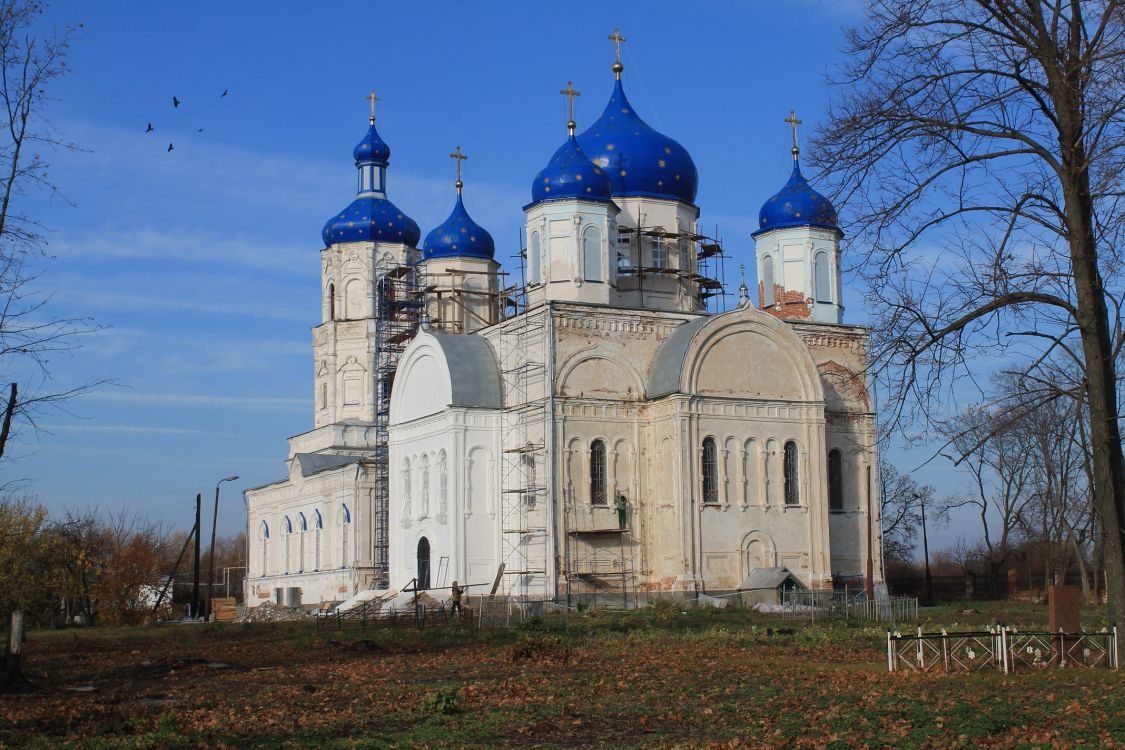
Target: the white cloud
(250, 403)
(123, 429)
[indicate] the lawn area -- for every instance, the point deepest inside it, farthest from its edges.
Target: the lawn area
(653, 678)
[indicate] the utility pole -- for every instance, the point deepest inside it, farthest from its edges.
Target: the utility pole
(195, 574)
(929, 590)
(869, 579)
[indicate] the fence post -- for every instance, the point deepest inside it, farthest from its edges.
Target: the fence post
(1062, 648)
(890, 652)
(1004, 649)
(921, 654)
(1115, 662)
(945, 649)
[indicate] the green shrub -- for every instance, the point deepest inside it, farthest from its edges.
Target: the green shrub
(444, 701)
(540, 647)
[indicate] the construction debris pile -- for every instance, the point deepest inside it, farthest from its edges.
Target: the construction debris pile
(270, 612)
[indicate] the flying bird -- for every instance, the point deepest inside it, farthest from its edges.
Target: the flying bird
(170, 147)
(200, 130)
(175, 102)
(150, 128)
(225, 92)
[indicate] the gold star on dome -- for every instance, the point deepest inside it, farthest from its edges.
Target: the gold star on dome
(667, 150)
(622, 172)
(662, 163)
(609, 147)
(578, 177)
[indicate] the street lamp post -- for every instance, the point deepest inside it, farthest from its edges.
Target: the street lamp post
(211, 566)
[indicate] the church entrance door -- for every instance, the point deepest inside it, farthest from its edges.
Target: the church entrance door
(423, 563)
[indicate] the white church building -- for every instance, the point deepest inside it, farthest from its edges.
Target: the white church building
(590, 425)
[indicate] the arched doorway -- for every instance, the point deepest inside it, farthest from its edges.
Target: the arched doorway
(423, 563)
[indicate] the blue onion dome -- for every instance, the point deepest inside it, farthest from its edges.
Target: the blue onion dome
(371, 217)
(458, 236)
(372, 147)
(638, 160)
(797, 205)
(571, 175)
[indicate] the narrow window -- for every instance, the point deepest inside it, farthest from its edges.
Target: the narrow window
(345, 527)
(534, 261)
(592, 254)
(319, 530)
(331, 301)
(597, 473)
(264, 535)
(624, 253)
(423, 578)
(791, 493)
(767, 281)
(288, 535)
(823, 290)
(324, 395)
(303, 527)
(710, 472)
(835, 481)
(659, 252)
(685, 257)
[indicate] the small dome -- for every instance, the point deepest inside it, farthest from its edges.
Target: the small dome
(797, 205)
(372, 147)
(570, 175)
(637, 159)
(458, 235)
(371, 218)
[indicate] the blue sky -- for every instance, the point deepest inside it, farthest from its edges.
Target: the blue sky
(203, 262)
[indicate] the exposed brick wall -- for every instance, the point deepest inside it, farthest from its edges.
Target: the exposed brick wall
(788, 305)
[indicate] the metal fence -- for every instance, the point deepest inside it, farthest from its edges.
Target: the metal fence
(999, 648)
(847, 605)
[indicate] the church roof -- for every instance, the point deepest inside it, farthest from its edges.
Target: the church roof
(458, 235)
(570, 175)
(637, 159)
(473, 373)
(314, 463)
(668, 364)
(796, 205)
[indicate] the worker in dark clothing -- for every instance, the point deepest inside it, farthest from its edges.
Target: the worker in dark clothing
(455, 599)
(622, 510)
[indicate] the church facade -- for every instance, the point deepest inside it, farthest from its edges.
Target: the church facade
(592, 429)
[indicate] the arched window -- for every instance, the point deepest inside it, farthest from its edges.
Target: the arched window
(592, 254)
(331, 301)
(353, 299)
(303, 528)
(767, 281)
(287, 525)
(423, 563)
(345, 532)
(597, 473)
(835, 480)
(792, 495)
(822, 291)
(264, 536)
(710, 471)
(318, 524)
(685, 255)
(534, 260)
(406, 504)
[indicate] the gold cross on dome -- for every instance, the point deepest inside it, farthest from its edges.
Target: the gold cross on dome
(460, 157)
(570, 92)
(794, 122)
(617, 39)
(372, 98)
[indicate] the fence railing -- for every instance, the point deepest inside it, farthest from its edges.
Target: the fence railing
(1001, 648)
(847, 605)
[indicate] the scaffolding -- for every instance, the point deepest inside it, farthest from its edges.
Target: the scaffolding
(524, 494)
(704, 280)
(599, 564)
(400, 296)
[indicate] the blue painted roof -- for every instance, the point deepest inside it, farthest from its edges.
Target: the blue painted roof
(458, 235)
(569, 175)
(371, 217)
(637, 159)
(796, 205)
(372, 147)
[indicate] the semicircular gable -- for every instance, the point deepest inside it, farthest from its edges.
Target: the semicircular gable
(595, 374)
(748, 354)
(422, 386)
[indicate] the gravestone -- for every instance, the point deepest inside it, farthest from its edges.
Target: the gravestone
(1062, 608)
(1062, 615)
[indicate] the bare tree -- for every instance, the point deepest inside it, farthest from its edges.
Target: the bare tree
(29, 335)
(899, 514)
(980, 146)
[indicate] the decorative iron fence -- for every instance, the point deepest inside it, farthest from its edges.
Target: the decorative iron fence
(1002, 648)
(847, 605)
